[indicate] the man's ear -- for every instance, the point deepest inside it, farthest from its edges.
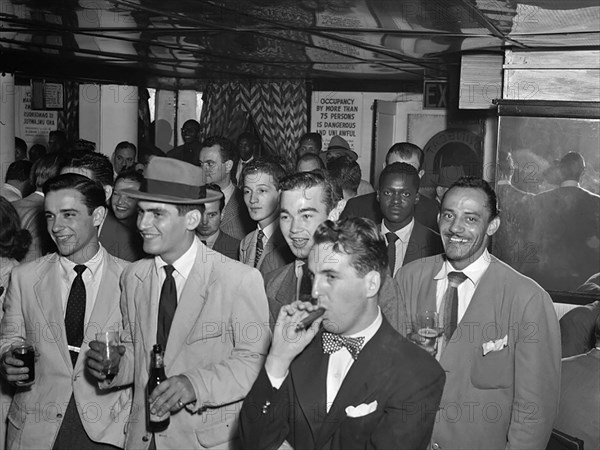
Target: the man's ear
(421, 173)
(228, 165)
(417, 197)
(108, 190)
(372, 283)
(98, 215)
(493, 226)
(192, 219)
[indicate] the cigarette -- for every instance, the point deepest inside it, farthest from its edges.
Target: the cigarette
(308, 320)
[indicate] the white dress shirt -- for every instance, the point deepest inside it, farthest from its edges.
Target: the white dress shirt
(473, 271)
(402, 242)
(183, 267)
(91, 279)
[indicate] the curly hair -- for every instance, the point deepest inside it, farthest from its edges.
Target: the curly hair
(14, 240)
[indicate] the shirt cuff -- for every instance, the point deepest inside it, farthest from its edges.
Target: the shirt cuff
(276, 382)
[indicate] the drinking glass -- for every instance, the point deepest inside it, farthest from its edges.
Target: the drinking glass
(24, 350)
(110, 339)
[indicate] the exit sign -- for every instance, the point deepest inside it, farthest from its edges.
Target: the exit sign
(435, 94)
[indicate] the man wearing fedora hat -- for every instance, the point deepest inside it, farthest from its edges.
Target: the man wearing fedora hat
(338, 146)
(213, 327)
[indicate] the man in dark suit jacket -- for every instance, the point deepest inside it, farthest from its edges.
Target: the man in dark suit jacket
(407, 239)
(565, 231)
(367, 205)
(208, 230)
(354, 384)
(216, 159)
(114, 236)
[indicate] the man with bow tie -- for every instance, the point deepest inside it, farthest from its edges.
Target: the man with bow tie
(349, 380)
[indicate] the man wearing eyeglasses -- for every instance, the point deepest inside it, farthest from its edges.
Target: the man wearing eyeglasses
(189, 151)
(216, 159)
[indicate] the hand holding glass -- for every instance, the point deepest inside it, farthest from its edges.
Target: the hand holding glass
(426, 331)
(24, 351)
(110, 352)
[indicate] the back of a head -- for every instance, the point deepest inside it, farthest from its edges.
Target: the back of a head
(19, 170)
(226, 147)
(310, 158)
(46, 167)
(571, 166)
(36, 152)
(346, 172)
(307, 180)
(14, 240)
(57, 141)
(99, 166)
(505, 165)
(20, 148)
(406, 151)
(359, 238)
(402, 169)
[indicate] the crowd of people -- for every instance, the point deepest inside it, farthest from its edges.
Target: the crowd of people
(296, 306)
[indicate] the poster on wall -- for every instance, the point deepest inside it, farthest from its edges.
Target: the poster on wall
(30, 125)
(337, 113)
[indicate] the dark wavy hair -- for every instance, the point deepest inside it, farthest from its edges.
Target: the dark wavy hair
(483, 186)
(359, 238)
(14, 240)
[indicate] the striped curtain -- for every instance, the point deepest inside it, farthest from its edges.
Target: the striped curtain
(277, 108)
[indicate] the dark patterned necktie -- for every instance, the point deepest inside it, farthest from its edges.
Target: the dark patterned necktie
(305, 293)
(167, 305)
(334, 342)
(75, 314)
(451, 302)
(259, 247)
(391, 250)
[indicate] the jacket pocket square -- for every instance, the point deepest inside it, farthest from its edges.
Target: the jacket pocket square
(495, 346)
(361, 410)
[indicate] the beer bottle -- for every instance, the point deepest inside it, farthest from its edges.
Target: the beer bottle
(157, 376)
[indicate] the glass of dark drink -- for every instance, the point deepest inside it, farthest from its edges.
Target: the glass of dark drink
(25, 351)
(110, 339)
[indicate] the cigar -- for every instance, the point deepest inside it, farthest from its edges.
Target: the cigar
(308, 320)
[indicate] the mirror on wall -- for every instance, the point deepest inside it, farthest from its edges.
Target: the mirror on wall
(548, 186)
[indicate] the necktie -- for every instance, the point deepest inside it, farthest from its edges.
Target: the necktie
(391, 250)
(166, 307)
(259, 247)
(203, 241)
(305, 293)
(451, 302)
(75, 313)
(334, 342)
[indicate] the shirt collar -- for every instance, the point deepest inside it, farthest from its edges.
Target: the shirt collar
(569, 183)
(370, 331)
(473, 271)
(184, 264)
(403, 233)
(13, 189)
(269, 229)
(92, 264)
(40, 193)
(502, 182)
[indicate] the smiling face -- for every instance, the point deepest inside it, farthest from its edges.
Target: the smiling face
(210, 220)
(72, 228)
(465, 225)
(122, 205)
(190, 131)
(261, 197)
(301, 212)
(341, 291)
(164, 231)
(398, 195)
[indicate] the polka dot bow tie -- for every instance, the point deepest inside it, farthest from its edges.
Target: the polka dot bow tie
(334, 342)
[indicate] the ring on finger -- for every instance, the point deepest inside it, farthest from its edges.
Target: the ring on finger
(180, 403)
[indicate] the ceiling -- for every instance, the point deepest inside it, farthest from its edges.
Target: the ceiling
(183, 43)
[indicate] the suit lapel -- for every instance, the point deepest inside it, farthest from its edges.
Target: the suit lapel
(309, 378)
(146, 296)
(105, 302)
(190, 304)
(49, 298)
(360, 382)
(249, 248)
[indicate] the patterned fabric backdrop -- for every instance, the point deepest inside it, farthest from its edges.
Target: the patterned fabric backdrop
(277, 108)
(68, 118)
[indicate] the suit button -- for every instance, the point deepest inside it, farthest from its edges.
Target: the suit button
(145, 439)
(436, 446)
(59, 416)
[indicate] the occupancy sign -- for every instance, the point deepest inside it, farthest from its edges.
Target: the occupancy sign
(337, 113)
